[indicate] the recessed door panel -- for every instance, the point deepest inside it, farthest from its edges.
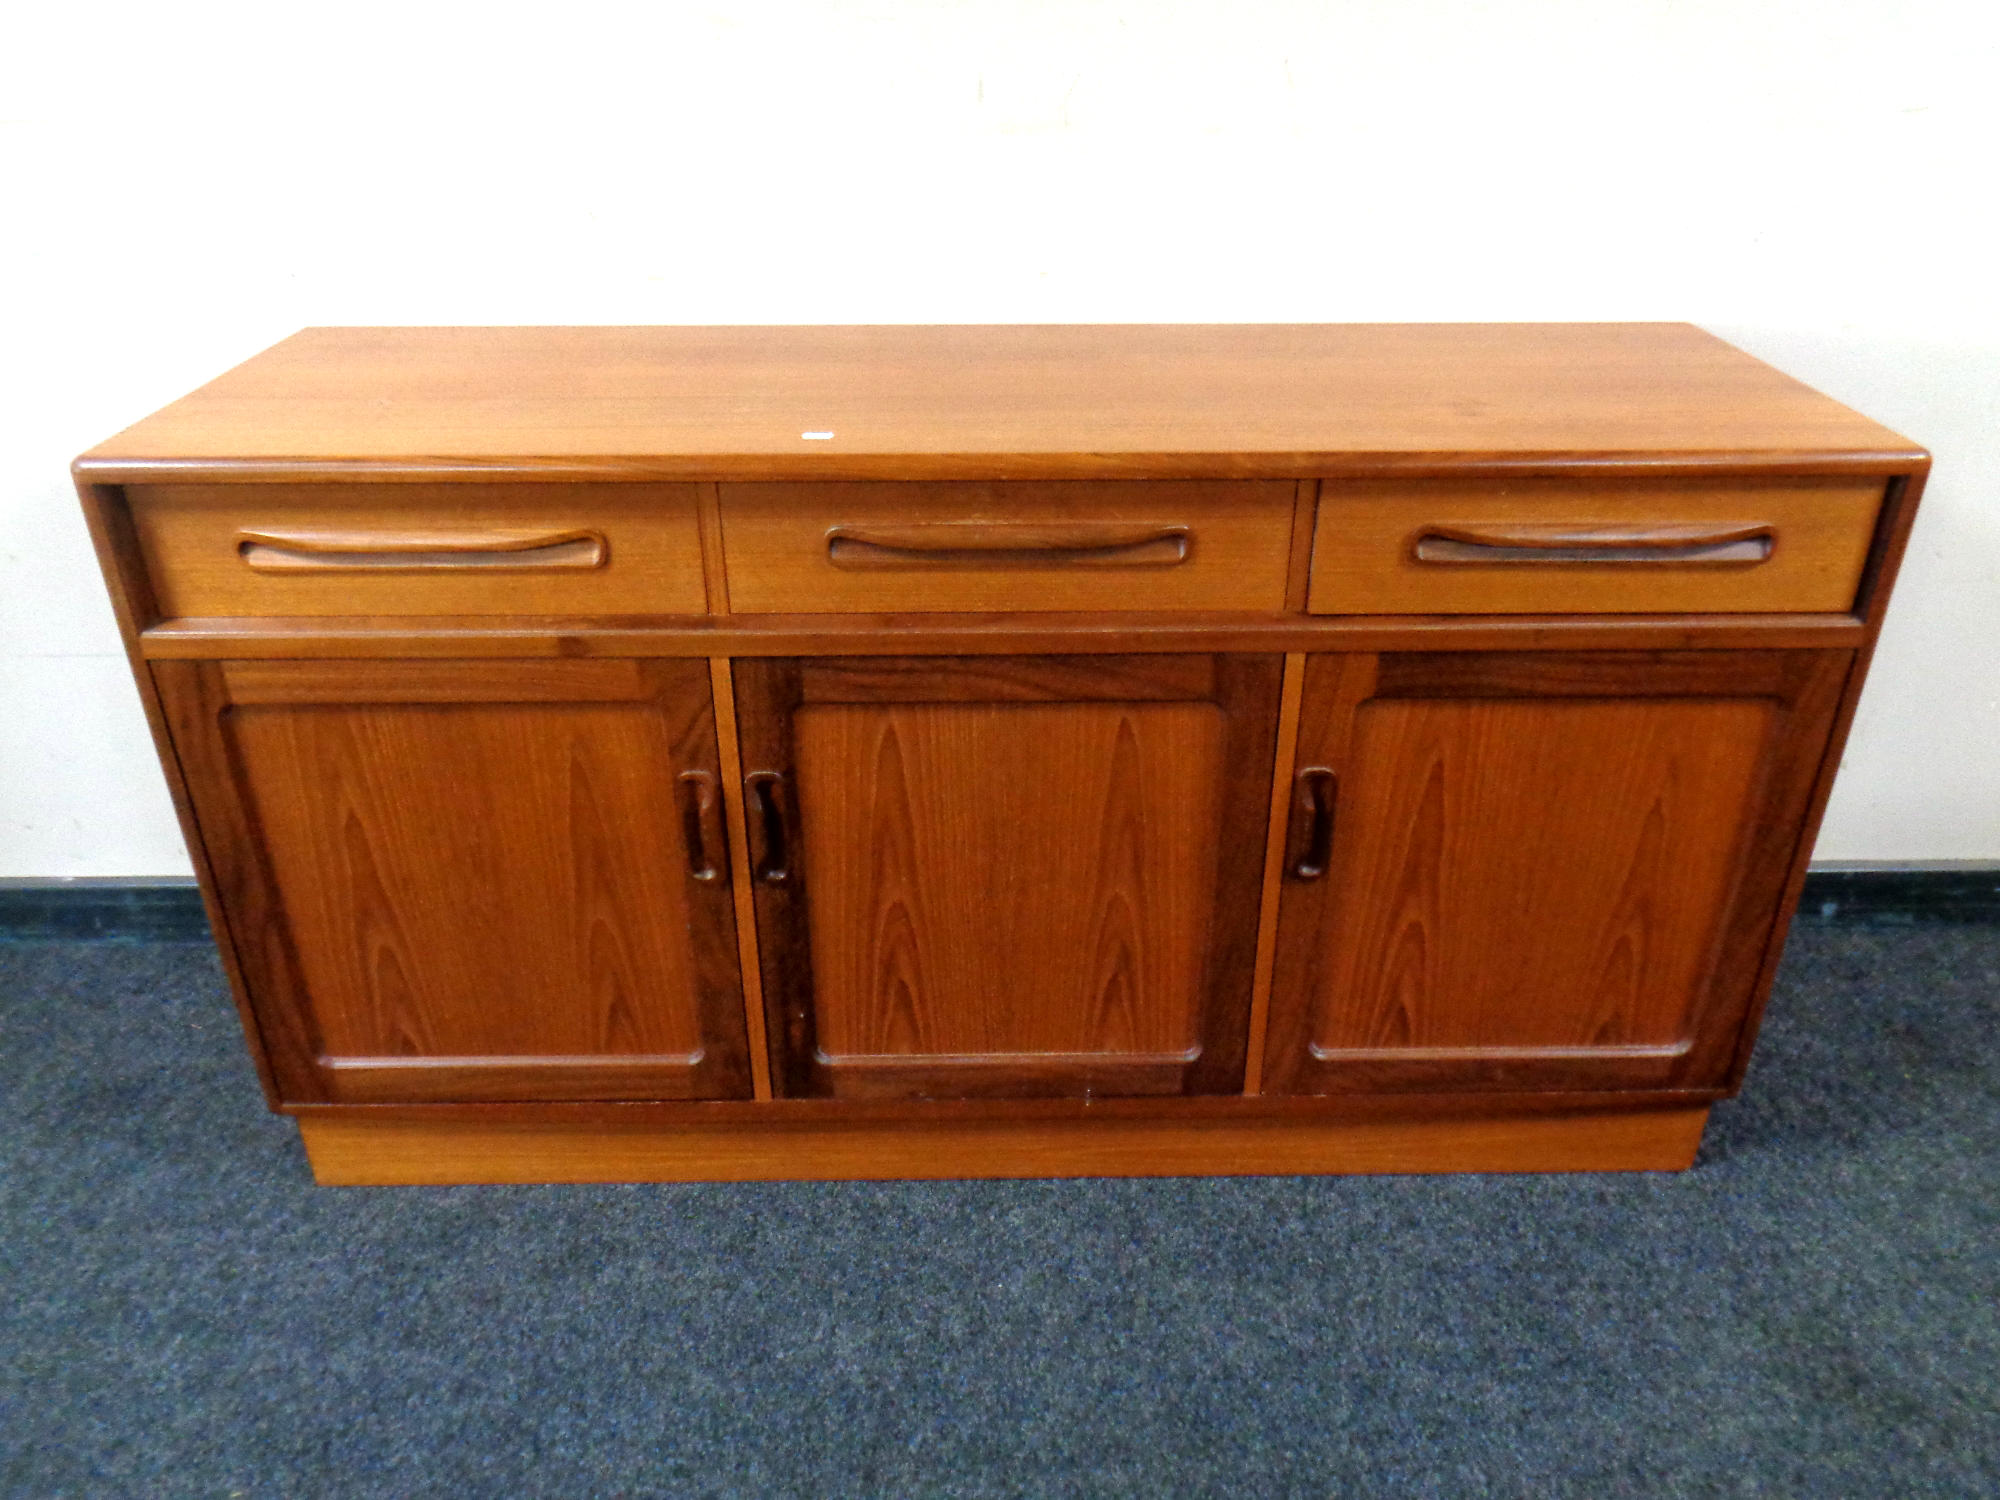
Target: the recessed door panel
(1543, 872)
(1584, 922)
(508, 881)
(1011, 879)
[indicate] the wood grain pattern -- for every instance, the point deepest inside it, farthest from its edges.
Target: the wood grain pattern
(1544, 868)
(1290, 701)
(1236, 541)
(347, 1150)
(481, 896)
(715, 578)
(1298, 567)
(969, 635)
(1156, 402)
(723, 684)
(268, 981)
(1225, 1108)
(1473, 825)
(1364, 559)
(998, 879)
(1008, 679)
(608, 680)
(191, 535)
(1021, 878)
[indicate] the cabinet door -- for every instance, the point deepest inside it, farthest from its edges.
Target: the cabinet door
(457, 880)
(1008, 875)
(1538, 871)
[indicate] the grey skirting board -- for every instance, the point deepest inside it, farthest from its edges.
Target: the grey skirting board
(109, 909)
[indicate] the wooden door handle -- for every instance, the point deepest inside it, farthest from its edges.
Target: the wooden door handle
(418, 551)
(1008, 544)
(1507, 542)
(770, 835)
(1311, 837)
(707, 844)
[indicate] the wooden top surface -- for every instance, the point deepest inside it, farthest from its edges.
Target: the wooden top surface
(1000, 401)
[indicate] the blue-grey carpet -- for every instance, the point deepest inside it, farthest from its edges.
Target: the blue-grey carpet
(1813, 1311)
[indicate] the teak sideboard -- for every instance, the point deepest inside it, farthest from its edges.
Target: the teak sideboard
(626, 753)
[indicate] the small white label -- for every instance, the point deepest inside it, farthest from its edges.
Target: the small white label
(815, 437)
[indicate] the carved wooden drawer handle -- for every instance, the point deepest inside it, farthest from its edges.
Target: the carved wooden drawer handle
(1008, 544)
(418, 552)
(1742, 545)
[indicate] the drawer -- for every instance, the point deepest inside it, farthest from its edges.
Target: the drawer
(420, 549)
(1012, 545)
(1558, 546)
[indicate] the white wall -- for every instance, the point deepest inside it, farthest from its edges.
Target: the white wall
(186, 184)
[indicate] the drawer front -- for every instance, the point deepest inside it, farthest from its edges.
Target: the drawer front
(421, 549)
(1017, 545)
(1550, 546)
